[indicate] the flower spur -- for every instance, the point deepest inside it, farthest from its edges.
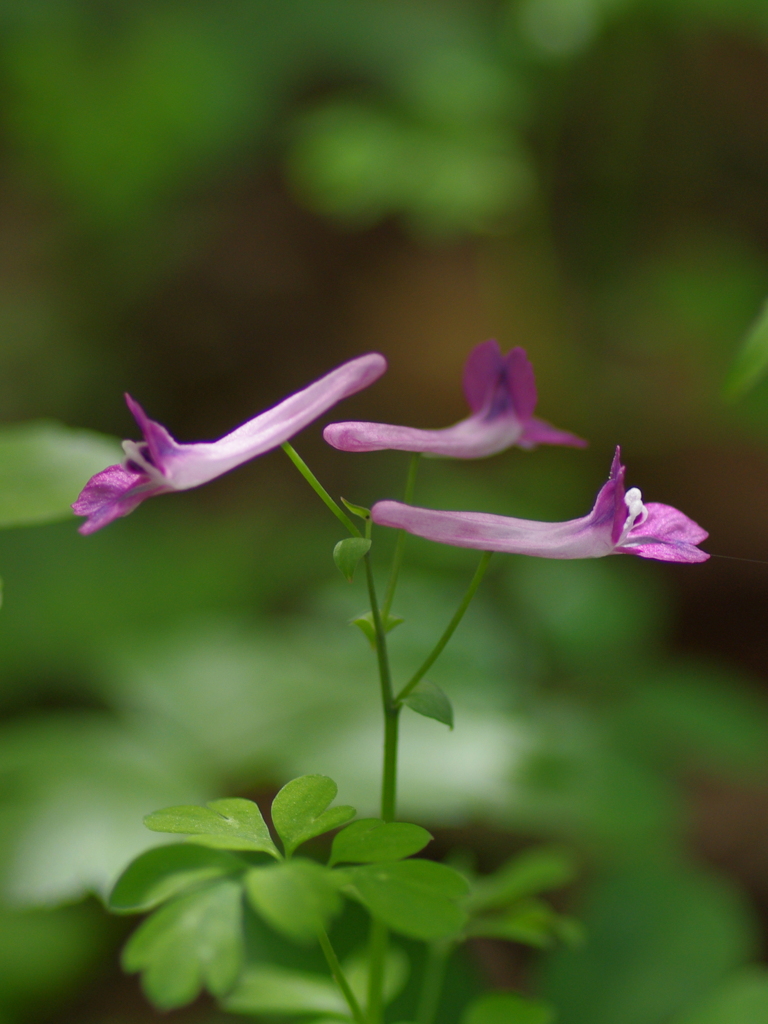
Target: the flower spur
(501, 392)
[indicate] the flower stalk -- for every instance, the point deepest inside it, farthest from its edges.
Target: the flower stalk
(318, 488)
(397, 560)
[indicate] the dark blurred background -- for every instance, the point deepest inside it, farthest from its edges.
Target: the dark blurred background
(209, 204)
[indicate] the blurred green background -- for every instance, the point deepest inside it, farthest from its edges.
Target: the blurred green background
(209, 204)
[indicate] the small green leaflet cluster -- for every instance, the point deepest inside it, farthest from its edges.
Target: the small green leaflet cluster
(201, 890)
(506, 904)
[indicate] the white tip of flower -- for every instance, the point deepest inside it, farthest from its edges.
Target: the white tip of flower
(638, 513)
(134, 452)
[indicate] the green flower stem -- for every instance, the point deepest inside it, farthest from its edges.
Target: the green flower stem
(390, 707)
(397, 561)
(389, 780)
(377, 950)
(432, 981)
(338, 976)
(437, 650)
(318, 488)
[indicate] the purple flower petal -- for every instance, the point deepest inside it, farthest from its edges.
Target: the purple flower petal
(577, 538)
(484, 365)
(112, 493)
(520, 382)
(619, 522)
(473, 438)
(538, 431)
(501, 392)
(667, 534)
(159, 463)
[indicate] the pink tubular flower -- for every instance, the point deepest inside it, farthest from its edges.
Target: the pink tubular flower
(619, 523)
(159, 463)
(501, 392)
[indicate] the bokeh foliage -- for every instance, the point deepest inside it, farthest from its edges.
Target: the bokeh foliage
(201, 648)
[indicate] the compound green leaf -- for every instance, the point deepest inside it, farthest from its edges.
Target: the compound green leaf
(371, 839)
(230, 824)
(533, 871)
(348, 553)
(296, 897)
(268, 989)
(43, 468)
(430, 701)
(413, 897)
(300, 810)
(508, 1008)
(195, 942)
(166, 871)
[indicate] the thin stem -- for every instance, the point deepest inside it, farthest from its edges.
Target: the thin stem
(389, 705)
(432, 981)
(377, 957)
(318, 488)
(338, 976)
(437, 650)
(389, 775)
(397, 560)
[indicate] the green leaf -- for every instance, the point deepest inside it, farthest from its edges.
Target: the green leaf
(43, 468)
(533, 871)
(507, 1008)
(166, 871)
(348, 553)
(370, 840)
(697, 715)
(365, 623)
(742, 999)
(230, 824)
(45, 954)
(195, 942)
(299, 810)
(751, 362)
(357, 510)
(296, 897)
(396, 969)
(268, 989)
(84, 775)
(414, 897)
(429, 700)
(660, 936)
(531, 922)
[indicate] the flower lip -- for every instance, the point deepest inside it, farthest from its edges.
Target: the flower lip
(159, 463)
(501, 393)
(650, 531)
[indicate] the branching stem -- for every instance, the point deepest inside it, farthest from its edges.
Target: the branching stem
(439, 647)
(318, 488)
(339, 978)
